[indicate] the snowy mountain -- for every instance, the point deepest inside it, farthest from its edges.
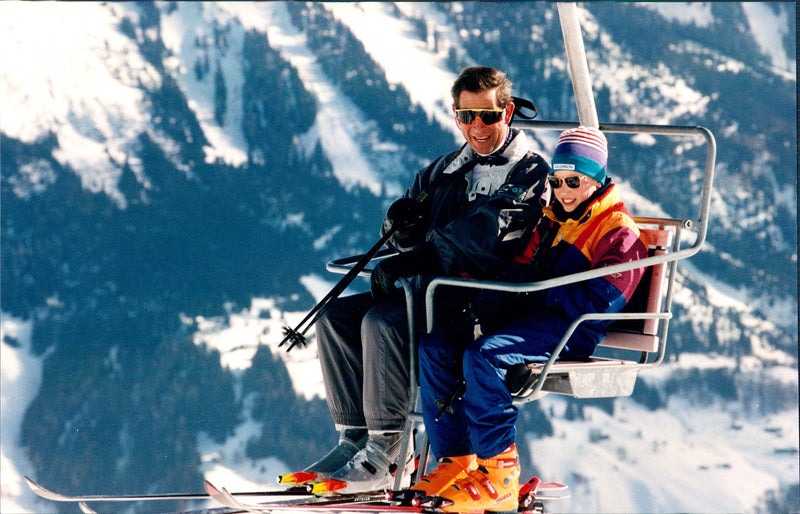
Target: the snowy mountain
(175, 178)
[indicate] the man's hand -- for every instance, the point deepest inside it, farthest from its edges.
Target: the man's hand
(383, 278)
(405, 215)
(415, 262)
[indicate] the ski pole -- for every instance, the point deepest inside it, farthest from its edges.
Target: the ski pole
(297, 334)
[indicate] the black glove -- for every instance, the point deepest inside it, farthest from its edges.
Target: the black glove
(415, 262)
(405, 215)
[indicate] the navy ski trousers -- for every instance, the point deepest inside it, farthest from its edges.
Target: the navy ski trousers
(483, 422)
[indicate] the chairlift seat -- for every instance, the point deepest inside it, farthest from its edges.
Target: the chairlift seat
(603, 377)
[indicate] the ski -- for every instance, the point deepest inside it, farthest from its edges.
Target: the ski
(334, 503)
(535, 486)
(530, 501)
(57, 497)
(376, 501)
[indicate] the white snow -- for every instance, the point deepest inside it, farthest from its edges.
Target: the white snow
(611, 68)
(696, 13)
(680, 459)
(339, 123)
(182, 31)
(238, 339)
(20, 379)
(769, 30)
(92, 104)
(227, 465)
(405, 58)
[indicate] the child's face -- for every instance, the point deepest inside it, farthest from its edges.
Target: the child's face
(570, 198)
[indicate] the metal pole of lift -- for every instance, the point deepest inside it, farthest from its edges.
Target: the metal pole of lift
(577, 65)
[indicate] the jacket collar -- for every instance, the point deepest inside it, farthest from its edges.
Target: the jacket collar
(514, 151)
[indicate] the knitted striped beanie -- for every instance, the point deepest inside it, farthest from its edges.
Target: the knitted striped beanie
(582, 149)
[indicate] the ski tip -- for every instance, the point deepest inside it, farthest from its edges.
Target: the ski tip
(536, 484)
(222, 496)
(41, 491)
(211, 489)
(33, 485)
(553, 486)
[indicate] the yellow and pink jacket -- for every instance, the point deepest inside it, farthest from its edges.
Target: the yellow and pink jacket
(602, 235)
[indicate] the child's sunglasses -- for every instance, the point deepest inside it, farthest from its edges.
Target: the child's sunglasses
(488, 116)
(573, 182)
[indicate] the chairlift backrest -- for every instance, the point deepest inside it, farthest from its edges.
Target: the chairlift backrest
(642, 334)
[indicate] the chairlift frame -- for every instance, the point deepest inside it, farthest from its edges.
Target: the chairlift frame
(574, 371)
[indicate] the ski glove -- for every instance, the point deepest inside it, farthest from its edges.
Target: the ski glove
(421, 261)
(409, 220)
(405, 214)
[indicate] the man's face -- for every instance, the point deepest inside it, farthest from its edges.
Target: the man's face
(484, 139)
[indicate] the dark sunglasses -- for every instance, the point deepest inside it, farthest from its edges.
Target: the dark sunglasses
(573, 182)
(488, 116)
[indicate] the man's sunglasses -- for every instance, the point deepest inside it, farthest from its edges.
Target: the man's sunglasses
(488, 116)
(573, 182)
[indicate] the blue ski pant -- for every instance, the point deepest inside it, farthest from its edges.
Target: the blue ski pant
(483, 422)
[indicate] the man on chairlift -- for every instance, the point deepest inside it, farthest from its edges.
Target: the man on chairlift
(478, 207)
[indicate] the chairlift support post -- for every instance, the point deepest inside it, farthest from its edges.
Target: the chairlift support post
(576, 64)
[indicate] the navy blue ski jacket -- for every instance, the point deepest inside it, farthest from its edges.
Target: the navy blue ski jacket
(474, 234)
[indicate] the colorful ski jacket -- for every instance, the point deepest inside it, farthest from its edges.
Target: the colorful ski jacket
(602, 235)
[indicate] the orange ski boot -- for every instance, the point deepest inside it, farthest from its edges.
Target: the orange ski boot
(448, 471)
(493, 486)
